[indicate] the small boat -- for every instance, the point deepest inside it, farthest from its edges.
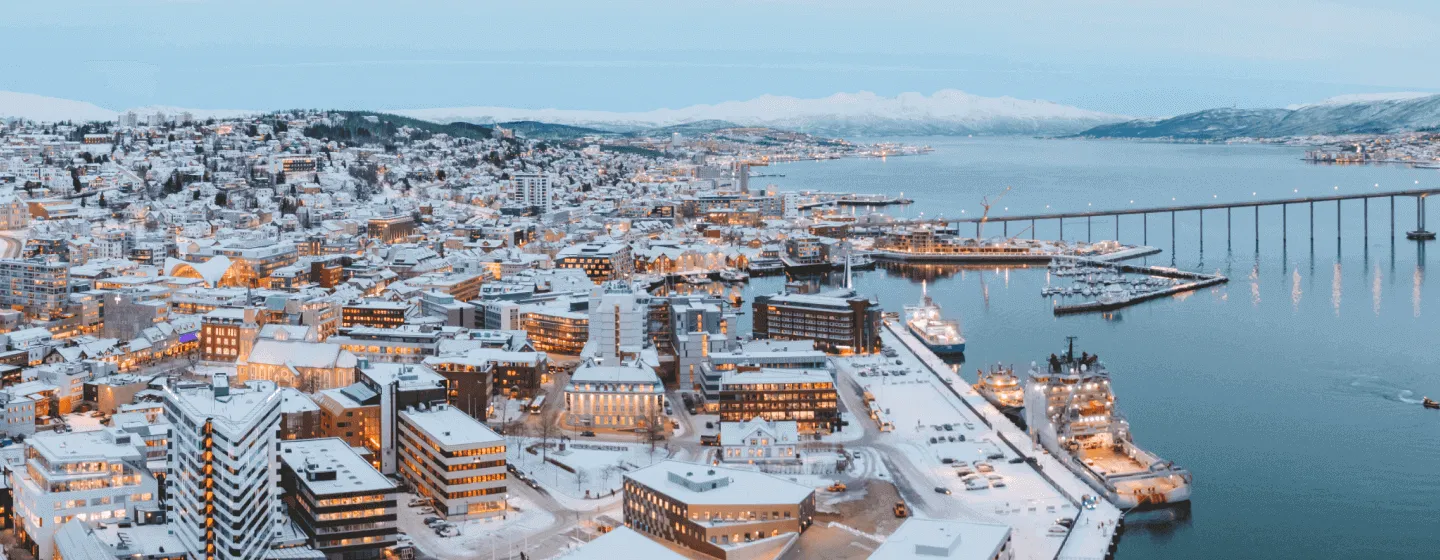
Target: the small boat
(733, 276)
(1427, 403)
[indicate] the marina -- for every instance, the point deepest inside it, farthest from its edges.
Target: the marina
(1105, 282)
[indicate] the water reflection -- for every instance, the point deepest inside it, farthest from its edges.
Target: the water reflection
(1295, 291)
(1375, 289)
(1335, 289)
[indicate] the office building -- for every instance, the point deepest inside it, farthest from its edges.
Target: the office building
(804, 396)
(839, 322)
(97, 476)
(346, 508)
(373, 313)
(453, 460)
(937, 539)
(618, 397)
(721, 512)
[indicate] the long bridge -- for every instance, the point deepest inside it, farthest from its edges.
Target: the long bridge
(1419, 233)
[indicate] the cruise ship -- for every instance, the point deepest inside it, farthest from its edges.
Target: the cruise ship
(1000, 387)
(942, 336)
(1070, 410)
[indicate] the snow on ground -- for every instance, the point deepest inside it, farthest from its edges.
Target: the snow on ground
(83, 422)
(476, 537)
(853, 430)
(598, 466)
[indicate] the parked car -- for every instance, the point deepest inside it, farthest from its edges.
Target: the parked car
(587, 433)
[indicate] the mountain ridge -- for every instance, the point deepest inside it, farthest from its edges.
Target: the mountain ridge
(1358, 114)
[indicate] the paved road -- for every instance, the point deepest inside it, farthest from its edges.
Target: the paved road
(13, 246)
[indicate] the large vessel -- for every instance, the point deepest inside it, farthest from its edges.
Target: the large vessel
(1001, 387)
(942, 336)
(1070, 410)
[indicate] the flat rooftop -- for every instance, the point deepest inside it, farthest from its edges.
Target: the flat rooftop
(730, 486)
(451, 427)
(352, 472)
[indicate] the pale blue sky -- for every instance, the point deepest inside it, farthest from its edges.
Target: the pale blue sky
(1134, 57)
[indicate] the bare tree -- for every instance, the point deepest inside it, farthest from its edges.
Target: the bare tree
(581, 477)
(548, 430)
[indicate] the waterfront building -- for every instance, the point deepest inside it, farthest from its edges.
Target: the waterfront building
(805, 396)
(839, 322)
(717, 511)
(601, 262)
(223, 482)
(346, 508)
(454, 461)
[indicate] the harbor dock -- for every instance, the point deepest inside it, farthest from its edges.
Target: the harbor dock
(1038, 489)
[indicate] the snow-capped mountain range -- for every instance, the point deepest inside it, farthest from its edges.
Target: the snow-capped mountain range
(864, 113)
(51, 109)
(944, 112)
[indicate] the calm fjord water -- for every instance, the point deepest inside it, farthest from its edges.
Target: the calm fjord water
(1291, 393)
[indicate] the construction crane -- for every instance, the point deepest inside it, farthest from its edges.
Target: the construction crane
(986, 203)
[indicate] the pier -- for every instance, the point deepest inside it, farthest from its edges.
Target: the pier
(1418, 234)
(1039, 493)
(1197, 281)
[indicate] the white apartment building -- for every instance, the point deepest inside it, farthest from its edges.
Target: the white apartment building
(454, 460)
(532, 189)
(617, 323)
(224, 498)
(93, 476)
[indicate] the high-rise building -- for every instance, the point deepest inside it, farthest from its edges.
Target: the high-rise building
(38, 285)
(617, 323)
(223, 483)
(532, 189)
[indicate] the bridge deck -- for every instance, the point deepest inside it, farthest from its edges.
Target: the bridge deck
(1194, 207)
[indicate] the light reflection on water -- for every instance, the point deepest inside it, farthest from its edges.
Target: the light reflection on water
(1252, 395)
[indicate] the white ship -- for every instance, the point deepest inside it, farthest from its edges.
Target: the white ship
(942, 336)
(1070, 410)
(1000, 387)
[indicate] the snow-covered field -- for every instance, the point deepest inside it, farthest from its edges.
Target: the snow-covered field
(477, 537)
(599, 467)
